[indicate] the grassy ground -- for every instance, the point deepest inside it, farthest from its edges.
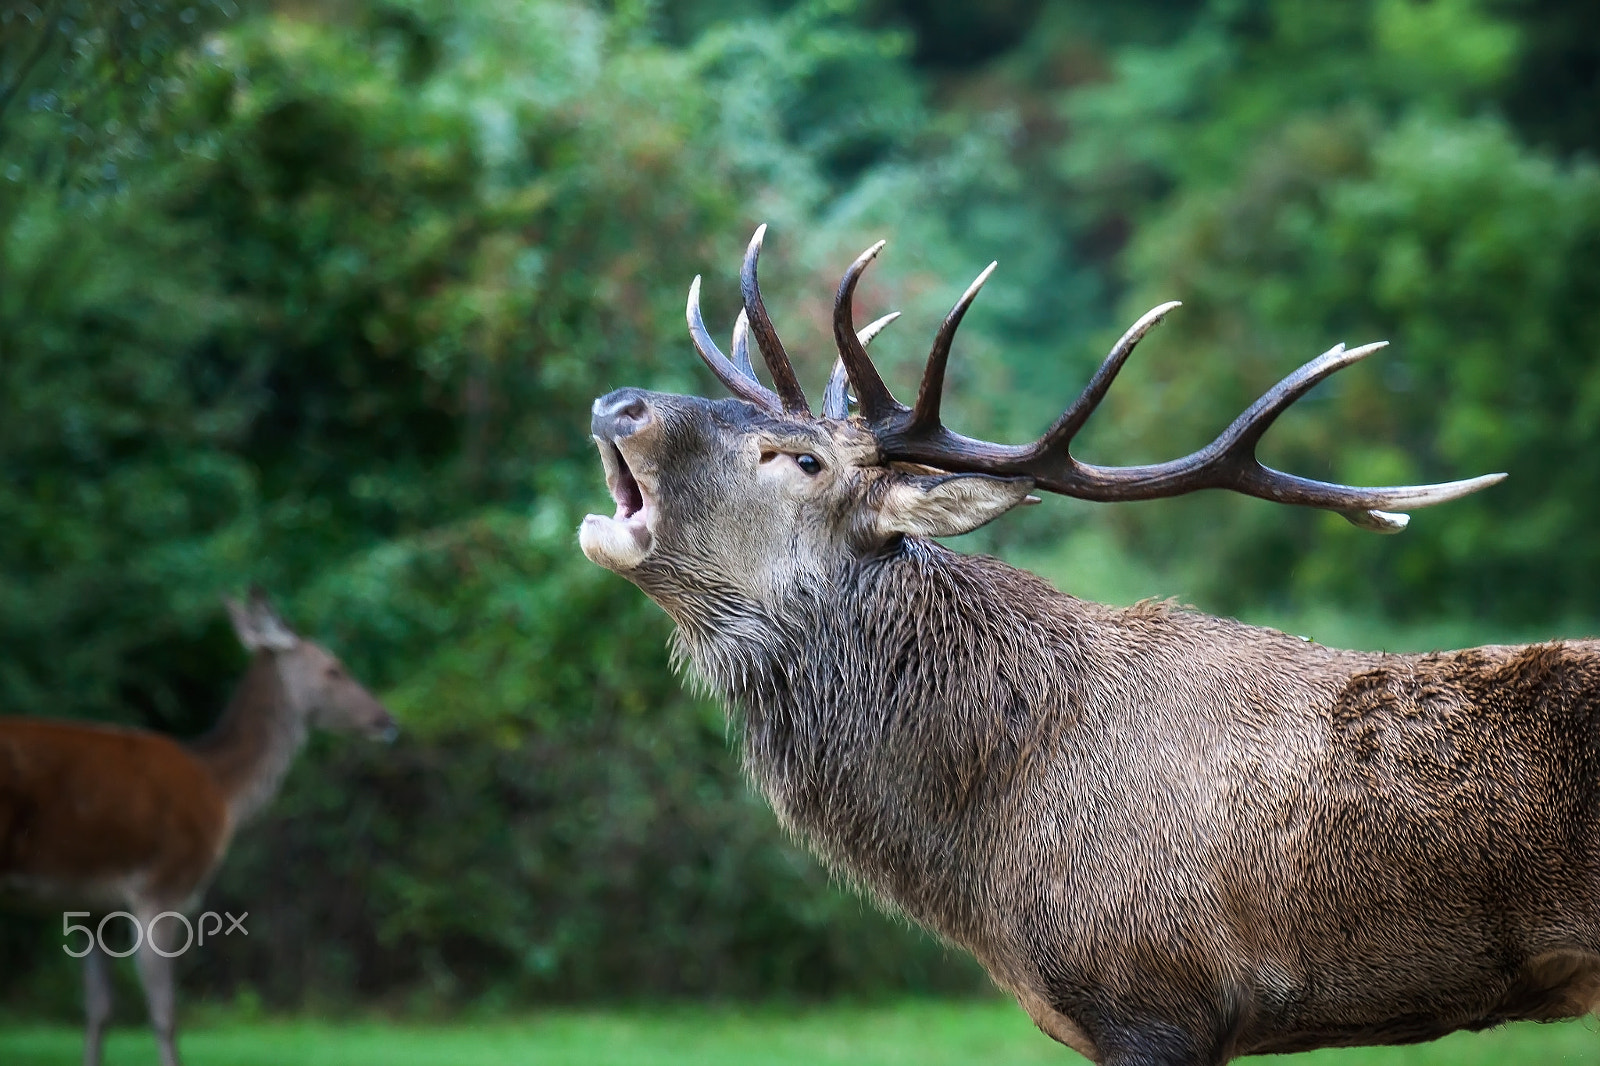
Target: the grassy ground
(908, 1034)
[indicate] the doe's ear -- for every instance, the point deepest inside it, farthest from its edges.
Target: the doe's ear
(257, 624)
(944, 505)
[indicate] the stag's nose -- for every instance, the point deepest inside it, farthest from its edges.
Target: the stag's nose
(618, 414)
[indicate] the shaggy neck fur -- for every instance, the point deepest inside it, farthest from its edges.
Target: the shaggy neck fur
(253, 744)
(889, 710)
(1177, 838)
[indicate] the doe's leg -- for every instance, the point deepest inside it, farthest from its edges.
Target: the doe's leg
(155, 974)
(96, 1002)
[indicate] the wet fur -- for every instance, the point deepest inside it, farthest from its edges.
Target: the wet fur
(1270, 846)
(1175, 838)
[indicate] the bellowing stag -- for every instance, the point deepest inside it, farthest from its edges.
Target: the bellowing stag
(1175, 838)
(103, 817)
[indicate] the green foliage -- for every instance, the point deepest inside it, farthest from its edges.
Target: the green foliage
(359, 304)
(85, 88)
(339, 339)
(1479, 261)
(319, 295)
(1312, 199)
(1553, 96)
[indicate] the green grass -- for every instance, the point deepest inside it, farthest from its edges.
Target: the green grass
(906, 1034)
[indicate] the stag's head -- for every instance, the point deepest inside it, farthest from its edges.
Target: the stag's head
(747, 495)
(318, 687)
(728, 493)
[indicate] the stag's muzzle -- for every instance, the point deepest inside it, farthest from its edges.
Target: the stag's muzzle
(621, 541)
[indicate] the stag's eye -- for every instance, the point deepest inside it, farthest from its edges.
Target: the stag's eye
(809, 463)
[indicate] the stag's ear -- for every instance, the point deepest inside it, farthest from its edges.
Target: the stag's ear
(944, 505)
(257, 624)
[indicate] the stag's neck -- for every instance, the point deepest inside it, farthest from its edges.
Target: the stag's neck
(883, 705)
(254, 743)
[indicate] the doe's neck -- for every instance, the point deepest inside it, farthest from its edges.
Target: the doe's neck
(255, 741)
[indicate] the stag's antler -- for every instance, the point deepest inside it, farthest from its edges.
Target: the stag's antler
(916, 434)
(739, 375)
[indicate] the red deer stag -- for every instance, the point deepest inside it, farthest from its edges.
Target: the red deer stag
(1175, 838)
(102, 817)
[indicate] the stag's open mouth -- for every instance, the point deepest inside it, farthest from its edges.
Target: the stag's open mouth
(620, 480)
(621, 541)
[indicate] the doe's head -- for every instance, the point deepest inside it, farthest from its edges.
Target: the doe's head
(317, 685)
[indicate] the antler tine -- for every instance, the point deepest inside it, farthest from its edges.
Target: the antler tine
(873, 396)
(1233, 456)
(1228, 462)
(741, 346)
(777, 360)
(916, 434)
(1248, 429)
(925, 415)
(743, 385)
(1060, 435)
(836, 400)
(836, 397)
(869, 332)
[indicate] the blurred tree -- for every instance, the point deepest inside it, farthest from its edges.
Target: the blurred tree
(318, 296)
(352, 304)
(348, 309)
(1554, 93)
(952, 34)
(83, 85)
(1304, 174)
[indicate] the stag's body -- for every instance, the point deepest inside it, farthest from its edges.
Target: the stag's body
(1178, 838)
(102, 818)
(1175, 838)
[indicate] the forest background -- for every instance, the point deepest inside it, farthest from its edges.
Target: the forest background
(317, 295)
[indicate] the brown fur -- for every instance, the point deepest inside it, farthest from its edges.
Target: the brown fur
(142, 807)
(1176, 838)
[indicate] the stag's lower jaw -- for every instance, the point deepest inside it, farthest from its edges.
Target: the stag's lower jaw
(622, 540)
